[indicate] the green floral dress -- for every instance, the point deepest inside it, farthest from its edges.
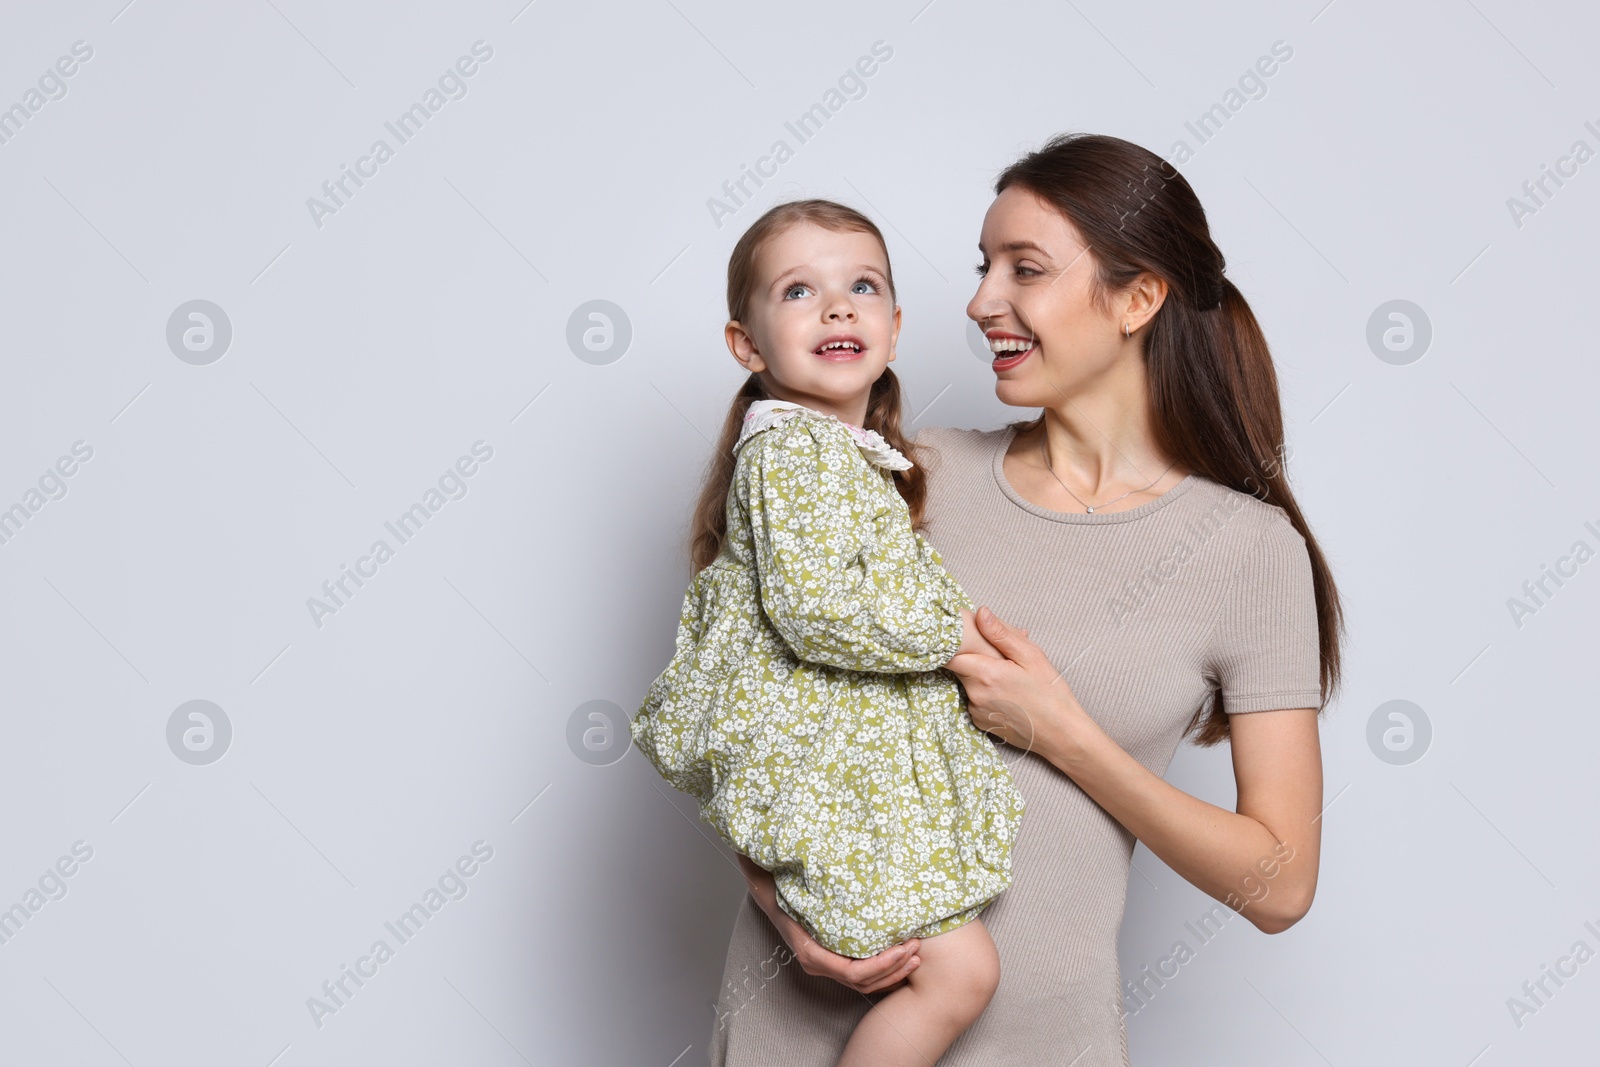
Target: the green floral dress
(806, 707)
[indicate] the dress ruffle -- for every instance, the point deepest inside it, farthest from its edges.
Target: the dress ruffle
(765, 414)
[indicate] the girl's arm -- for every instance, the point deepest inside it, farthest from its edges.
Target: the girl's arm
(1260, 860)
(864, 976)
(841, 583)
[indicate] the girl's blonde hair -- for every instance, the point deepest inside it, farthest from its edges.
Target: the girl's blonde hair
(709, 526)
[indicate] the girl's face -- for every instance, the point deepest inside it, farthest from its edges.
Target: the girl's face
(821, 326)
(1033, 304)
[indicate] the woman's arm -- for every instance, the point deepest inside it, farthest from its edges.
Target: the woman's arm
(1260, 860)
(864, 976)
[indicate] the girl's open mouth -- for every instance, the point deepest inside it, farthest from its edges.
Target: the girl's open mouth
(840, 349)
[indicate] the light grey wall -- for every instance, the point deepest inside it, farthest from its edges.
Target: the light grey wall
(443, 706)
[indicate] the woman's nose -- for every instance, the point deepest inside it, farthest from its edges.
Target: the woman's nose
(981, 308)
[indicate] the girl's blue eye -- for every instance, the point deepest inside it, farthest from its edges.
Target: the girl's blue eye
(868, 282)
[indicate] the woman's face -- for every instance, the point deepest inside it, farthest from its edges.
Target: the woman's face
(1033, 304)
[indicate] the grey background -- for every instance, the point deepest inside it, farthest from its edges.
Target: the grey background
(447, 701)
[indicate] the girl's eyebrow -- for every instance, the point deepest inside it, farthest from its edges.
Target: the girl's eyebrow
(793, 271)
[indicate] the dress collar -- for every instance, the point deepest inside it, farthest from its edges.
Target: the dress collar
(767, 413)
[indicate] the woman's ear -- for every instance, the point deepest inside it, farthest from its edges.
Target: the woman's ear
(743, 346)
(1149, 292)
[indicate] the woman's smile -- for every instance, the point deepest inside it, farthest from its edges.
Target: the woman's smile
(1009, 349)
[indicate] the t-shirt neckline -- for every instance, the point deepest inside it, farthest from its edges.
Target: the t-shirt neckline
(1086, 518)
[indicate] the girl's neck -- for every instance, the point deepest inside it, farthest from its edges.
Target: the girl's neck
(853, 412)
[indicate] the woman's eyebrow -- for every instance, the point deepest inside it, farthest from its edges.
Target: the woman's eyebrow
(1019, 246)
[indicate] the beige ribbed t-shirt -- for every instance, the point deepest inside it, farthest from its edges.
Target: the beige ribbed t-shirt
(1147, 612)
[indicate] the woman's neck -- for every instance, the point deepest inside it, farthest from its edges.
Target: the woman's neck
(1100, 447)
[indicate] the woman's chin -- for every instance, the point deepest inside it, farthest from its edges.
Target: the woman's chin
(1021, 393)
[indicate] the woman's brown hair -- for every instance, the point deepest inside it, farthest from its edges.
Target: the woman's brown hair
(709, 527)
(1213, 388)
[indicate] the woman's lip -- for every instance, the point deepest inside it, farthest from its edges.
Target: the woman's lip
(1012, 359)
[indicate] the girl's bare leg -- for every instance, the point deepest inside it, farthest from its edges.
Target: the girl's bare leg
(913, 1026)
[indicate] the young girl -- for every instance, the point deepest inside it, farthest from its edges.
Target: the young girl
(805, 706)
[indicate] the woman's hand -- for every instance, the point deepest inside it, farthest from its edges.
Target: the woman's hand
(972, 639)
(881, 971)
(1020, 698)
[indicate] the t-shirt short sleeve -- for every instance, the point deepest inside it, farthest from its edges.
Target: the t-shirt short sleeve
(1263, 653)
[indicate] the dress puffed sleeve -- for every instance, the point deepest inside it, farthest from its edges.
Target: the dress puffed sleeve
(844, 579)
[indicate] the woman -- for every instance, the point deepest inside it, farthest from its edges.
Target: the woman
(1141, 541)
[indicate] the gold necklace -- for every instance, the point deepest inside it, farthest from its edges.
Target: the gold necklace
(1074, 496)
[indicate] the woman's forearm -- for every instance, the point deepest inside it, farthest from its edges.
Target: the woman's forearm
(762, 887)
(1230, 856)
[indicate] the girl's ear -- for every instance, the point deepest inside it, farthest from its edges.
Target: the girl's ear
(743, 346)
(894, 334)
